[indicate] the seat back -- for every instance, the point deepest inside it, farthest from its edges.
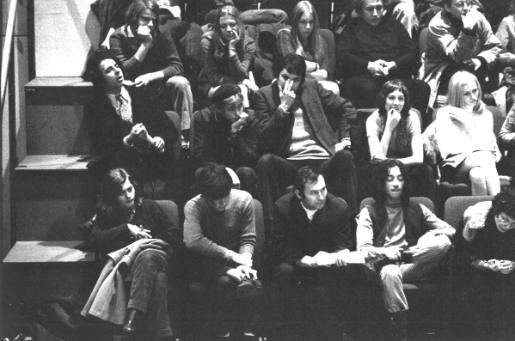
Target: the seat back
(328, 37)
(413, 200)
(456, 206)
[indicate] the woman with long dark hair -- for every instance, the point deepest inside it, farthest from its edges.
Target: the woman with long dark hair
(404, 240)
(139, 240)
(394, 132)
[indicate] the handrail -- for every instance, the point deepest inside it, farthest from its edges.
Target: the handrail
(6, 50)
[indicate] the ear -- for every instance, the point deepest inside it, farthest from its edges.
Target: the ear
(297, 194)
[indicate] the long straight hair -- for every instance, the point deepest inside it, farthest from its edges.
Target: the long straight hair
(455, 90)
(314, 47)
(107, 206)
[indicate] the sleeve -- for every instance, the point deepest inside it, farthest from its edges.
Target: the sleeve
(239, 68)
(408, 57)
(120, 47)
(211, 71)
(285, 42)
(194, 237)
(106, 135)
(248, 227)
(364, 230)
(507, 132)
(107, 239)
(503, 33)
(343, 239)
(491, 46)
(455, 48)
(374, 143)
(172, 61)
(336, 105)
(432, 222)
(414, 126)
(166, 229)
(282, 242)
(271, 123)
(199, 150)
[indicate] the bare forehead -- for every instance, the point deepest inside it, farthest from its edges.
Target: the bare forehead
(106, 63)
(394, 171)
(317, 185)
(372, 3)
(306, 17)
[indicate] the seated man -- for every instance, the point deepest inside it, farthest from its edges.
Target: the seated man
(303, 124)
(134, 134)
(224, 133)
(220, 234)
(150, 59)
(310, 243)
(392, 227)
(459, 37)
(373, 49)
(489, 232)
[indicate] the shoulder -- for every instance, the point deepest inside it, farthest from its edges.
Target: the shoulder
(374, 117)
(203, 115)
(240, 196)
(265, 91)
(284, 202)
(195, 203)
(336, 202)
(439, 24)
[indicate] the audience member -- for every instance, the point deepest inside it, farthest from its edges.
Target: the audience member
(150, 59)
(374, 48)
(463, 133)
(220, 233)
(110, 15)
(250, 13)
(310, 243)
(393, 132)
(459, 37)
(224, 133)
(228, 52)
(304, 39)
(506, 140)
(490, 234)
(404, 240)
(135, 134)
(303, 124)
(139, 240)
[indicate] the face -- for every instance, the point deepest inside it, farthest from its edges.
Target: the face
(305, 26)
(111, 72)
(147, 18)
(394, 184)
(219, 204)
(373, 11)
(394, 100)
(458, 8)
(470, 96)
(127, 195)
(315, 194)
(504, 222)
(233, 110)
(285, 76)
(228, 27)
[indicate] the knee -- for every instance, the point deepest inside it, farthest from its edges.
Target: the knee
(390, 273)
(344, 157)
(150, 258)
(284, 273)
(265, 163)
(477, 174)
(442, 244)
(178, 82)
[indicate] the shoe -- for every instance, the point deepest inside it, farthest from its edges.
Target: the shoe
(131, 320)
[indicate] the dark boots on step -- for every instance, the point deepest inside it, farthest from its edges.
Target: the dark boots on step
(131, 321)
(399, 325)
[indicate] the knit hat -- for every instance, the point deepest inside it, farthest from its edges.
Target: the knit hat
(225, 91)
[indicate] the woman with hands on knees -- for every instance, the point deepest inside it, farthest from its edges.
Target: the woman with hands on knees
(489, 230)
(139, 241)
(394, 132)
(228, 54)
(463, 131)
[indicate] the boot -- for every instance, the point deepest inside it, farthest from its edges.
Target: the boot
(131, 322)
(399, 325)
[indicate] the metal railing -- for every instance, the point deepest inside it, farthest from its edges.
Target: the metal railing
(6, 50)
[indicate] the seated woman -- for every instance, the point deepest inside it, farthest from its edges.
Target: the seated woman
(304, 39)
(227, 53)
(146, 239)
(134, 134)
(404, 241)
(393, 132)
(490, 233)
(463, 132)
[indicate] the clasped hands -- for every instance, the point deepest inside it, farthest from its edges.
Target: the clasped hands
(323, 258)
(243, 270)
(497, 265)
(139, 133)
(380, 68)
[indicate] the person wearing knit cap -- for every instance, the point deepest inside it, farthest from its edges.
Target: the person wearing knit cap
(224, 133)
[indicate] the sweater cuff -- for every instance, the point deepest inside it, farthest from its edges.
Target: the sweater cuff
(249, 248)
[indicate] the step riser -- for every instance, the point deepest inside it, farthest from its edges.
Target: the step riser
(51, 205)
(57, 129)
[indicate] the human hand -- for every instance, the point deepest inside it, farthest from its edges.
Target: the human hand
(242, 259)
(235, 39)
(307, 262)
(240, 123)
(250, 82)
(341, 258)
(376, 68)
(138, 232)
(344, 143)
(473, 63)
(392, 119)
(140, 131)
(248, 272)
(159, 144)
(236, 274)
(323, 258)
(143, 80)
(144, 33)
(286, 95)
(105, 44)
(470, 19)
(505, 266)
(392, 253)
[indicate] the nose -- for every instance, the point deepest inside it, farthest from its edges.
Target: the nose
(375, 12)
(150, 23)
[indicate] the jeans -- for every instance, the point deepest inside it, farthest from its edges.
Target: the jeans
(182, 99)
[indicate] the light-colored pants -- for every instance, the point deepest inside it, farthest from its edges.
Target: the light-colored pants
(432, 250)
(182, 99)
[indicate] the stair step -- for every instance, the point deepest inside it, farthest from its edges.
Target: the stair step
(58, 90)
(55, 163)
(63, 251)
